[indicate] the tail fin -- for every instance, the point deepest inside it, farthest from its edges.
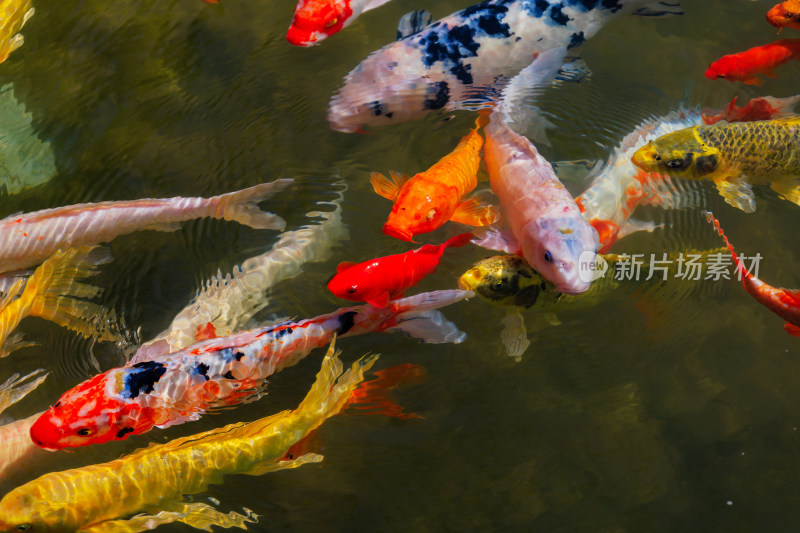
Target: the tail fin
(52, 293)
(14, 388)
(242, 206)
(372, 397)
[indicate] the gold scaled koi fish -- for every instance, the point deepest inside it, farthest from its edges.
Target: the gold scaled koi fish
(156, 478)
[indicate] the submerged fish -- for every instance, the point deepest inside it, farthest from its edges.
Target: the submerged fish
(733, 156)
(761, 108)
(431, 198)
(467, 55)
(15, 439)
(164, 389)
(159, 477)
(54, 293)
(546, 223)
(13, 16)
(315, 20)
(783, 302)
(379, 280)
(28, 239)
(785, 15)
(745, 66)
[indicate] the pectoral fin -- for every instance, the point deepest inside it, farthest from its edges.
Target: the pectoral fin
(198, 515)
(474, 212)
(633, 225)
(514, 334)
(380, 301)
(497, 240)
(737, 192)
(787, 189)
(271, 466)
(791, 329)
(388, 188)
(753, 80)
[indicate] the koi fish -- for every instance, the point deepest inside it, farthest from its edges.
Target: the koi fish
(745, 66)
(156, 389)
(380, 280)
(15, 437)
(54, 293)
(547, 227)
(783, 302)
(226, 303)
(15, 13)
(158, 477)
(28, 239)
(785, 15)
(316, 20)
(467, 55)
(762, 108)
(431, 198)
(733, 156)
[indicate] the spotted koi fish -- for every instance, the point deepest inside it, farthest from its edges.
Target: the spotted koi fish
(163, 389)
(465, 56)
(30, 238)
(156, 479)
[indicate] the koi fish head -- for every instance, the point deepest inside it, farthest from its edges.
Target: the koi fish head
(315, 20)
(680, 154)
(420, 210)
(555, 247)
(355, 283)
(504, 280)
(782, 17)
(102, 409)
(30, 508)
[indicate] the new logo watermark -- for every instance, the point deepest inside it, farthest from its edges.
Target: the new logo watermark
(591, 266)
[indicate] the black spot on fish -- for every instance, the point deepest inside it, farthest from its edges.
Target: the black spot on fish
(377, 108)
(283, 332)
(441, 97)
(706, 164)
(518, 39)
(346, 322)
(576, 39)
(238, 356)
(537, 8)
(202, 369)
(680, 164)
(389, 115)
(558, 16)
(124, 431)
(527, 297)
(228, 375)
(142, 379)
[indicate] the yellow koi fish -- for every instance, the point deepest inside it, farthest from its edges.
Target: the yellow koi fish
(155, 479)
(13, 16)
(53, 293)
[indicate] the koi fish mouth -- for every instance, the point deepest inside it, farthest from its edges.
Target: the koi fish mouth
(398, 233)
(299, 37)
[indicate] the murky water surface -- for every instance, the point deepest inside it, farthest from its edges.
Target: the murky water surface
(660, 410)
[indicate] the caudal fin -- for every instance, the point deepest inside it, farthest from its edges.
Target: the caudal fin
(242, 206)
(714, 222)
(417, 318)
(15, 388)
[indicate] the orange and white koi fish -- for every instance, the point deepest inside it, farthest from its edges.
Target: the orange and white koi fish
(315, 20)
(165, 389)
(157, 479)
(54, 293)
(426, 201)
(13, 16)
(28, 239)
(745, 66)
(785, 15)
(783, 302)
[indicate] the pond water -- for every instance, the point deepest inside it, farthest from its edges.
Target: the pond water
(657, 410)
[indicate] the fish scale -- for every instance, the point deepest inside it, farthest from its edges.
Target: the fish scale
(757, 147)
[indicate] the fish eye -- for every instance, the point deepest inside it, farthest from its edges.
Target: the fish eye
(720, 76)
(497, 285)
(57, 405)
(331, 22)
(657, 157)
(24, 527)
(788, 15)
(84, 432)
(351, 290)
(548, 257)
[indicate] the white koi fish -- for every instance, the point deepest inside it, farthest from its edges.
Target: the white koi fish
(467, 55)
(27, 239)
(546, 224)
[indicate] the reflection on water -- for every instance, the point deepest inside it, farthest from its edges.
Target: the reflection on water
(652, 411)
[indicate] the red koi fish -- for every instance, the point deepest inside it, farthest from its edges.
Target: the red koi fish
(379, 280)
(315, 20)
(761, 108)
(783, 302)
(744, 66)
(785, 15)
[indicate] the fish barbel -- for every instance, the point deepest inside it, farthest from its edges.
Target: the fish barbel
(27, 239)
(733, 156)
(161, 475)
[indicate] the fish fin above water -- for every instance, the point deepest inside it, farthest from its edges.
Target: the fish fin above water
(410, 23)
(242, 206)
(514, 334)
(497, 240)
(388, 188)
(660, 9)
(788, 189)
(737, 192)
(791, 329)
(475, 212)
(428, 326)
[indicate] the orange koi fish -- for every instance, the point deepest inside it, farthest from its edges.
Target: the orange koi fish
(744, 66)
(761, 108)
(783, 302)
(426, 201)
(785, 15)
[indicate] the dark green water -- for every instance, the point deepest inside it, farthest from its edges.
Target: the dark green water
(665, 412)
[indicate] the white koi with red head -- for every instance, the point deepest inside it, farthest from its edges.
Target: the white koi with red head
(315, 20)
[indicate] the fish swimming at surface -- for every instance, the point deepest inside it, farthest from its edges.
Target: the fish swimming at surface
(465, 57)
(315, 20)
(746, 66)
(785, 15)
